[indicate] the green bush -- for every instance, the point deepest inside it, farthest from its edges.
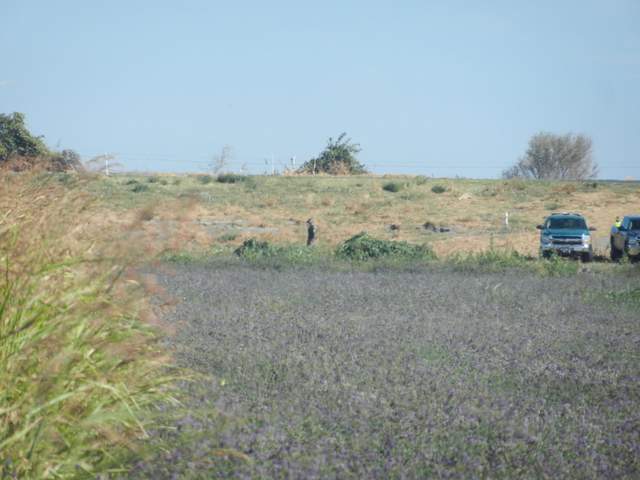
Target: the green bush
(392, 187)
(139, 187)
(438, 189)
(338, 158)
(15, 138)
(254, 248)
(364, 247)
(153, 179)
(131, 181)
(231, 178)
(205, 179)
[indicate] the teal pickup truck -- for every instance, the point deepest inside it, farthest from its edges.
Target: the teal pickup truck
(625, 238)
(566, 234)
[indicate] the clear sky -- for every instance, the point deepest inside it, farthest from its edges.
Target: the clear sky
(440, 88)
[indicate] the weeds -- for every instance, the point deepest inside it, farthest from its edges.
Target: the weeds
(433, 374)
(364, 247)
(79, 372)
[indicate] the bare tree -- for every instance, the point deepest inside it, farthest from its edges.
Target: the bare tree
(106, 164)
(555, 157)
(221, 160)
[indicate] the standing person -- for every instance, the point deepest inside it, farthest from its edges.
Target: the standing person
(618, 222)
(311, 232)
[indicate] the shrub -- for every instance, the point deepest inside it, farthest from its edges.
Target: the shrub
(438, 189)
(364, 247)
(139, 188)
(254, 248)
(16, 140)
(205, 179)
(153, 179)
(231, 178)
(392, 187)
(338, 158)
(131, 181)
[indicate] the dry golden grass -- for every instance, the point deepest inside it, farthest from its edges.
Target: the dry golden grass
(472, 209)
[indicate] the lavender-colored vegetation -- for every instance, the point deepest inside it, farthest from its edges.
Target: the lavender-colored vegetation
(318, 374)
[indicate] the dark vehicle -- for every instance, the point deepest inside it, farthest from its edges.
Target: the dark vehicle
(566, 234)
(626, 238)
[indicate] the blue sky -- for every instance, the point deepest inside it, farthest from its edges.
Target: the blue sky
(438, 88)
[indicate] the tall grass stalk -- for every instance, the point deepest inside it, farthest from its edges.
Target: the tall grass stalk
(79, 372)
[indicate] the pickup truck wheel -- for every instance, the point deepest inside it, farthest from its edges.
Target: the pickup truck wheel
(616, 254)
(546, 255)
(586, 257)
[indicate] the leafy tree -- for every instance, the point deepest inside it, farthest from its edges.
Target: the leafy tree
(555, 157)
(21, 150)
(16, 140)
(338, 158)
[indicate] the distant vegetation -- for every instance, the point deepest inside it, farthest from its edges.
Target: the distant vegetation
(555, 157)
(338, 158)
(21, 150)
(231, 178)
(364, 247)
(392, 187)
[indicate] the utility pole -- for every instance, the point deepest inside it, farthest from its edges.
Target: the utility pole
(106, 164)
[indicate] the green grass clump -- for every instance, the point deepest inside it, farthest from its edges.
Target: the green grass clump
(364, 247)
(438, 189)
(629, 297)
(494, 260)
(231, 178)
(265, 254)
(392, 187)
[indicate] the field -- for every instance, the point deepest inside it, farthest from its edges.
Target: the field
(478, 361)
(196, 212)
(439, 373)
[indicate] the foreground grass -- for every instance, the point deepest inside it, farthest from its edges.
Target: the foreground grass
(443, 373)
(79, 373)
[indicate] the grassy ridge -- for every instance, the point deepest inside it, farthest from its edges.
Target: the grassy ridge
(78, 370)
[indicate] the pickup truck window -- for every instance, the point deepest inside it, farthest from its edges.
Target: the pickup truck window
(571, 223)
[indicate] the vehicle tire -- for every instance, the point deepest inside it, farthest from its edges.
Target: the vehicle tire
(616, 254)
(546, 255)
(586, 257)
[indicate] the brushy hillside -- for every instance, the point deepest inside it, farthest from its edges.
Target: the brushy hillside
(79, 372)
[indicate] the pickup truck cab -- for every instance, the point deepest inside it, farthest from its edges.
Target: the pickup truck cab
(566, 234)
(626, 238)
